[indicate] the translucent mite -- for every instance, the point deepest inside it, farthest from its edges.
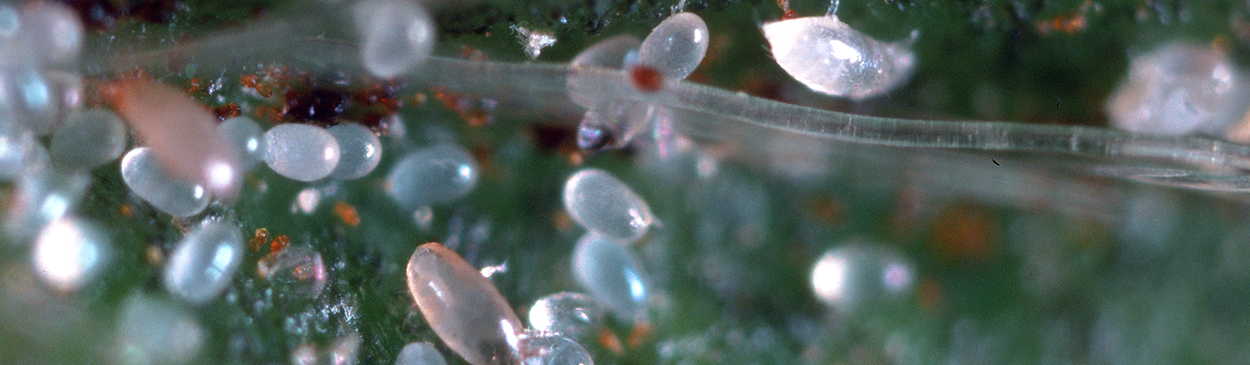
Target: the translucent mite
(829, 57)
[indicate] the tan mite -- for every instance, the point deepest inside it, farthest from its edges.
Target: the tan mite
(464, 308)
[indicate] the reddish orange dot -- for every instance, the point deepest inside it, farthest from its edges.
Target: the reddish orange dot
(279, 244)
(646, 78)
(610, 341)
(347, 213)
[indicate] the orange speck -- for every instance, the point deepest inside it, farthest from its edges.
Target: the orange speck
(966, 232)
(929, 294)
(827, 210)
(641, 331)
(226, 111)
(126, 210)
(196, 85)
(347, 213)
(258, 239)
(253, 82)
(646, 78)
(279, 244)
(1070, 24)
(610, 341)
(787, 13)
(562, 221)
(154, 255)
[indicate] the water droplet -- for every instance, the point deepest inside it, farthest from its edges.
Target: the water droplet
(298, 270)
(155, 331)
(856, 276)
(544, 348)
(396, 35)
(829, 57)
(301, 152)
(361, 150)
(89, 138)
(146, 177)
(611, 275)
(246, 137)
(420, 353)
(676, 46)
(203, 263)
(571, 314)
(437, 174)
(464, 308)
(70, 252)
(601, 203)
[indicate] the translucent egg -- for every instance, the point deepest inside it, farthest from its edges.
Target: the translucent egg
(437, 174)
(301, 152)
(611, 274)
(676, 46)
(601, 203)
(420, 353)
(395, 35)
(156, 331)
(38, 99)
(856, 276)
(571, 314)
(70, 252)
(42, 197)
(54, 30)
(88, 139)
(20, 152)
(463, 307)
(361, 150)
(545, 348)
(247, 138)
(10, 22)
(147, 178)
(829, 57)
(204, 262)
